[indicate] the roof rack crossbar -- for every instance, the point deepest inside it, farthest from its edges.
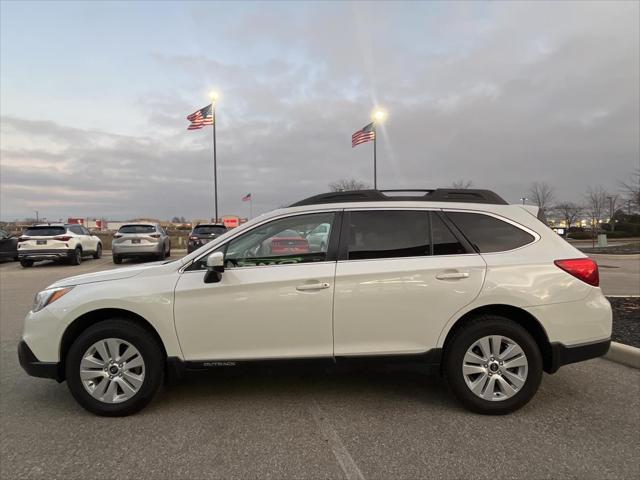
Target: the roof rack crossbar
(429, 195)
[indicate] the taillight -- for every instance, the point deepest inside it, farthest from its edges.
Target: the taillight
(584, 269)
(117, 235)
(62, 238)
(23, 239)
(155, 235)
(193, 238)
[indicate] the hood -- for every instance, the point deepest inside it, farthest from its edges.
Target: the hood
(104, 276)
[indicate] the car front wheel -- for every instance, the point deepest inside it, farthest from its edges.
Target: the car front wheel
(493, 365)
(98, 252)
(114, 368)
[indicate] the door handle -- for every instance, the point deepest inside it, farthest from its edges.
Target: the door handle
(452, 275)
(312, 286)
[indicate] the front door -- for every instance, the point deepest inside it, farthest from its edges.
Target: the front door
(274, 299)
(402, 274)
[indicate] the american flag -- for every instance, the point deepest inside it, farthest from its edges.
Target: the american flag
(367, 134)
(200, 118)
(246, 198)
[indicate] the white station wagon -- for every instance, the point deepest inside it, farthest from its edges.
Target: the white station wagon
(455, 281)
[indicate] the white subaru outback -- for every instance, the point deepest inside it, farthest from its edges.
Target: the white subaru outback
(453, 280)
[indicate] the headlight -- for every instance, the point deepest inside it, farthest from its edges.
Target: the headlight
(46, 297)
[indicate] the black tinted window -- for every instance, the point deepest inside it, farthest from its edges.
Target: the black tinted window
(388, 234)
(209, 229)
(488, 234)
(444, 242)
(44, 231)
(76, 230)
(137, 229)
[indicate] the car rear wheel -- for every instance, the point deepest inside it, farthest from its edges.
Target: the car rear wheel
(76, 257)
(117, 260)
(114, 368)
(162, 254)
(26, 263)
(493, 365)
(98, 252)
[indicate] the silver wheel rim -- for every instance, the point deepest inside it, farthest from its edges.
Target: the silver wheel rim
(495, 368)
(112, 370)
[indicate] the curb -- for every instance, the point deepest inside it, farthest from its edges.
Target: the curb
(624, 354)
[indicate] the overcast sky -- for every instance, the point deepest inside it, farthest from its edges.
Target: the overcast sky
(94, 97)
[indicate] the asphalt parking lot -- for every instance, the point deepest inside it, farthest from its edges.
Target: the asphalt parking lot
(583, 423)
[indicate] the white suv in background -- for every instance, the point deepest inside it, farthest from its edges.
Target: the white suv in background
(57, 242)
(455, 281)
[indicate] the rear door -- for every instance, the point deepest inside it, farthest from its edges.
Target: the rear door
(401, 275)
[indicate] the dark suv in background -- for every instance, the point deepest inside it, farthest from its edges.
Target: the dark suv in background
(203, 233)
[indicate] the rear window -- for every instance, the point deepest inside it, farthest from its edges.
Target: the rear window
(137, 229)
(209, 229)
(489, 234)
(388, 234)
(44, 231)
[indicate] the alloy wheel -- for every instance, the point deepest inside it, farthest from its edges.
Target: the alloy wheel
(495, 368)
(112, 370)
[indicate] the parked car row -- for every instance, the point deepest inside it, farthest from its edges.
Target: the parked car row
(71, 242)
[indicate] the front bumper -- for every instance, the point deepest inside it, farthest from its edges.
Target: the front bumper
(46, 254)
(35, 367)
(563, 355)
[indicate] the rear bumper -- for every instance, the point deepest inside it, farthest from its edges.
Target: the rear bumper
(35, 367)
(46, 254)
(137, 251)
(563, 355)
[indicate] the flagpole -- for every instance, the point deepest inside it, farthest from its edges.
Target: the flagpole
(215, 163)
(214, 98)
(375, 165)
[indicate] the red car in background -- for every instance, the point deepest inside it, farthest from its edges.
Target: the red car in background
(289, 242)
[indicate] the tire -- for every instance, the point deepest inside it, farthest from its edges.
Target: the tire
(504, 385)
(162, 254)
(141, 383)
(98, 252)
(26, 263)
(76, 257)
(117, 260)
(169, 250)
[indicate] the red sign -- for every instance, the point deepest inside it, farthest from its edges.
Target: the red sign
(75, 221)
(231, 221)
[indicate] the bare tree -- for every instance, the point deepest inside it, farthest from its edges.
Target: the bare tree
(347, 185)
(463, 184)
(541, 194)
(569, 212)
(596, 204)
(631, 189)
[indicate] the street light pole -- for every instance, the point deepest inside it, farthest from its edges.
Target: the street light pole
(523, 199)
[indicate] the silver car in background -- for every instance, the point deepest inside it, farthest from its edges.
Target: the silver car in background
(135, 240)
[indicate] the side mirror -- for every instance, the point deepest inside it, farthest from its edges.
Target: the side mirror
(215, 267)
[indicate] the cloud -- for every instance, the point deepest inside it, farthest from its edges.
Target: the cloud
(500, 94)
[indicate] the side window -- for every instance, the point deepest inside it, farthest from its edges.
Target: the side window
(444, 242)
(489, 234)
(388, 234)
(85, 231)
(288, 240)
(75, 229)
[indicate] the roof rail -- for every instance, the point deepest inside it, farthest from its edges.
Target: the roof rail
(434, 195)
